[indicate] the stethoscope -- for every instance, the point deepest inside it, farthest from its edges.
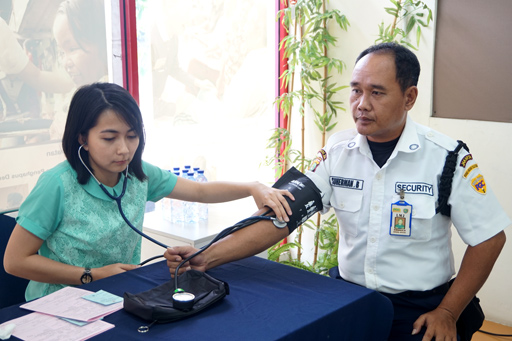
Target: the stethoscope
(181, 299)
(118, 201)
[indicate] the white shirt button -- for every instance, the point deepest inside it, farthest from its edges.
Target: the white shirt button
(376, 207)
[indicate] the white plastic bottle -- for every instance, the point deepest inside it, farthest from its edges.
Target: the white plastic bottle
(202, 207)
(166, 205)
(196, 169)
(191, 212)
(177, 215)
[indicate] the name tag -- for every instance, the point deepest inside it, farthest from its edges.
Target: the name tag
(347, 183)
(400, 224)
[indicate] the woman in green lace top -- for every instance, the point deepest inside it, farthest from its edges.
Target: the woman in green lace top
(69, 231)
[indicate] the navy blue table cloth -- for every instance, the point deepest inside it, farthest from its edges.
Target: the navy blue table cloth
(267, 301)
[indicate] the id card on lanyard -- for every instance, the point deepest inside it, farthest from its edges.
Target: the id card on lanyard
(401, 213)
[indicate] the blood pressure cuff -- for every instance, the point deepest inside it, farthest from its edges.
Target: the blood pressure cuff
(308, 198)
(156, 304)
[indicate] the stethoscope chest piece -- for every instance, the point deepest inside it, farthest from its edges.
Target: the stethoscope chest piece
(182, 300)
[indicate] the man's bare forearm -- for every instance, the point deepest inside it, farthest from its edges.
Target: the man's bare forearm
(246, 242)
(476, 266)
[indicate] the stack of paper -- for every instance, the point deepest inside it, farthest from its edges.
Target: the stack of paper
(68, 314)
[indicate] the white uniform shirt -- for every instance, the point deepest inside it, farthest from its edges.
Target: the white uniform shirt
(361, 194)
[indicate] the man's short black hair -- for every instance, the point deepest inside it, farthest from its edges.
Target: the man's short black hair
(406, 63)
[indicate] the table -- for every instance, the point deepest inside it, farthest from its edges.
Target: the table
(267, 301)
(178, 234)
(220, 216)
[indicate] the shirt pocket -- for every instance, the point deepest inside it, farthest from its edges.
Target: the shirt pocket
(347, 204)
(423, 212)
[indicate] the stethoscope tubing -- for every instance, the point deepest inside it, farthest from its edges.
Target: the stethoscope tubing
(227, 231)
(118, 201)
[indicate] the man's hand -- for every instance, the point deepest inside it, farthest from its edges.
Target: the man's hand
(440, 324)
(175, 255)
(476, 265)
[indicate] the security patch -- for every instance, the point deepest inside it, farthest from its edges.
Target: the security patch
(314, 164)
(346, 183)
(472, 167)
(478, 184)
(322, 156)
(465, 160)
(414, 188)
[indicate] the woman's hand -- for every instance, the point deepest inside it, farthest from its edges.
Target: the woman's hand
(111, 270)
(274, 199)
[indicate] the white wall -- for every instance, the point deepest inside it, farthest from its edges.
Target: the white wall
(488, 141)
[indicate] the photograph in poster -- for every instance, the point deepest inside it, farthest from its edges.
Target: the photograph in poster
(48, 48)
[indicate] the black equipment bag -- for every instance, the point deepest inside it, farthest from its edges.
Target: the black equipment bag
(156, 304)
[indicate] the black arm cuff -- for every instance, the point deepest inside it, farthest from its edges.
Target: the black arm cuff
(308, 199)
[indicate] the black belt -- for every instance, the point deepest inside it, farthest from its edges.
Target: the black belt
(442, 289)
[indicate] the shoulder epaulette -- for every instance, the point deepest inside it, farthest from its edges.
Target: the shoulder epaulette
(341, 136)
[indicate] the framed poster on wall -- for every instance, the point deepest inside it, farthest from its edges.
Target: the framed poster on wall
(48, 48)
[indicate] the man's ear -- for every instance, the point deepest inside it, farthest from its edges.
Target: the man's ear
(410, 97)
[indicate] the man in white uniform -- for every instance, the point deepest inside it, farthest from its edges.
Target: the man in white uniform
(383, 181)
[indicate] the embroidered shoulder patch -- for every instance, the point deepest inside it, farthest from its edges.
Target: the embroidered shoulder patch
(465, 160)
(322, 156)
(466, 173)
(478, 184)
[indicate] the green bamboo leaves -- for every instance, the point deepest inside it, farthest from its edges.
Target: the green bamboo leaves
(411, 16)
(306, 47)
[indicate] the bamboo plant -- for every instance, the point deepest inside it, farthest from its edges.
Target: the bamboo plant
(411, 15)
(306, 47)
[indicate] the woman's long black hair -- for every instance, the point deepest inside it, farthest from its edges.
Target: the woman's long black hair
(87, 104)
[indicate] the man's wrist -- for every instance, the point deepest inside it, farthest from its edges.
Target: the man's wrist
(450, 312)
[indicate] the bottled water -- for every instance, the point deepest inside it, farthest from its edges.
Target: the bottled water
(191, 212)
(177, 215)
(150, 207)
(166, 206)
(202, 207)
